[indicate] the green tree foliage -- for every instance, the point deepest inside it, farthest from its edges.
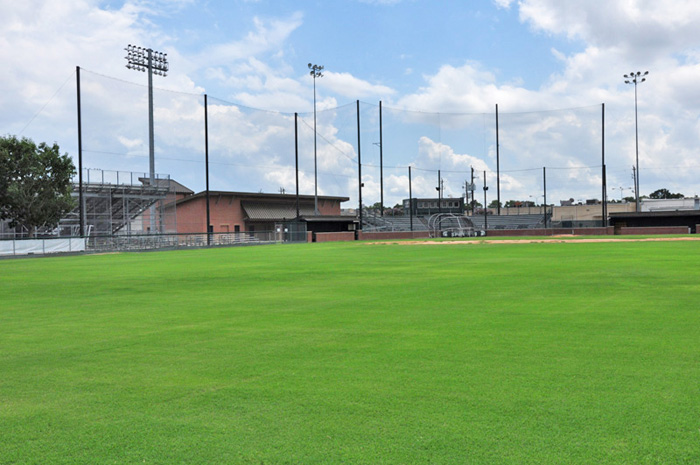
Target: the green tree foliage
(519, 203)
(665, 194)
(495, 204)
(35, 183)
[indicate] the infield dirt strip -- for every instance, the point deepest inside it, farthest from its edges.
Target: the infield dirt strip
(554, 239)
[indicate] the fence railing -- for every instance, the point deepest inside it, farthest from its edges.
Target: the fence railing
(145, 242)
(42, 246)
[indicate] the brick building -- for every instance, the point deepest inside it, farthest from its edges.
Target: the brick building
(251, 212)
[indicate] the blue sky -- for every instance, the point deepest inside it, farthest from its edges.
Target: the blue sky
(548, 64)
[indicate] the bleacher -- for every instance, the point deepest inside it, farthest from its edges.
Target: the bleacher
(508, 221)
(373, 222)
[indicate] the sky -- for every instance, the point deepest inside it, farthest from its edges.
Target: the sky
(439, 68)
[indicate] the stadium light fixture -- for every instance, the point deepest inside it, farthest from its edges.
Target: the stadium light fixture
(622, 191)
(145, 59)
(634, 78)
(316, 72)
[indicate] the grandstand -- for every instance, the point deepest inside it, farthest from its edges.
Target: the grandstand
(371, 222)
(117, 203)
(508, 221)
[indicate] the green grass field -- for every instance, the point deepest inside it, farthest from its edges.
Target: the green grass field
(554, 353)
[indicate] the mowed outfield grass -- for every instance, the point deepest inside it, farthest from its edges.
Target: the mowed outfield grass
(355, 353)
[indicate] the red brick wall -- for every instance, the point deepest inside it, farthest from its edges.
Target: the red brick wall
(190, 218)
(225, 211)
(393, 235)
(551, 232)
(329, 207)
(335, 236)
(656, 230)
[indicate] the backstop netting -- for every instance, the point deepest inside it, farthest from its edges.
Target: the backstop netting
(254, 150)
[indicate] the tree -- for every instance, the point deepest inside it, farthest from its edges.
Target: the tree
(35, 183)
(495, 204)
(665, 194)
(519, 203)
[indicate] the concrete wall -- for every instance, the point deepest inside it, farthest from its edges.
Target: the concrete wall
(570, 213)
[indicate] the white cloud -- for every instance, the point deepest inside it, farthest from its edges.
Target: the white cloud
(268, 36)
(347, 85)
(42, 41)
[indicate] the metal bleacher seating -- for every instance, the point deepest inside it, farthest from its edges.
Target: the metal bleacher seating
(508, 221)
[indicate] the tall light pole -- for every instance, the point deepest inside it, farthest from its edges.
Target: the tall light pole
(316, 72)
(634, 78)
(622, 192)
(146, 59)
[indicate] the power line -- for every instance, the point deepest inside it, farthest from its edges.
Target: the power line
(49, 101)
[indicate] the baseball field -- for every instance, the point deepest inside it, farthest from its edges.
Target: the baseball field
(354, 353)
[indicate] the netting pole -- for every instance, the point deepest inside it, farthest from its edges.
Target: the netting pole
(80, 156)
(486, 211)
(410, 197)
(206, 163)
(359, 163)
(605, 184)
(381, 162)
(544, 185)
(498, 167)
(296, 160)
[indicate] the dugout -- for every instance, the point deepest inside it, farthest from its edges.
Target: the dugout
(655, 219)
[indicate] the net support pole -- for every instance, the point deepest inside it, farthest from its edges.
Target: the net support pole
(381, 162)
(359, 163)
(410, 197)
(206, 165)
(486, 210)
(498, 167)
(81, 208)
(544, 186)
(602, 149)
(296, 161)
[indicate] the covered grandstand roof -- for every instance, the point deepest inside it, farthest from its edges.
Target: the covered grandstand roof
(172, 185)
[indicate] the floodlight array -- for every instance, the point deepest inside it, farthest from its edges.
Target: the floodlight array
(140, 59)
(315, 70)
(631, 78)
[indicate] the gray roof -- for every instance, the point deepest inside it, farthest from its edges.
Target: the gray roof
(172, 185)
(266, 211)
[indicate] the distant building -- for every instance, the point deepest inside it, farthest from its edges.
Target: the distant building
(427, 207)
(668, 205)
